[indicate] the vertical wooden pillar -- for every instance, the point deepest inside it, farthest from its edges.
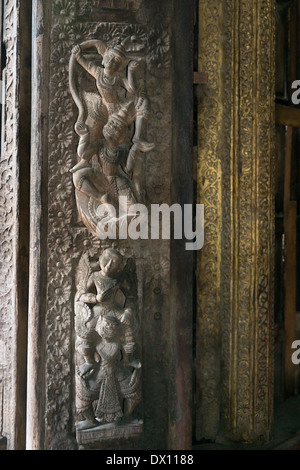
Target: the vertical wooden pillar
(14, 205)
(290, 266)
(59, 238)
(181, 379)
(235, 183)
(35, 432)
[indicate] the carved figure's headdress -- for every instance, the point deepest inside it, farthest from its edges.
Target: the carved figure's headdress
(122, 115)
(112, 251)
(119, 50)
(123, 49)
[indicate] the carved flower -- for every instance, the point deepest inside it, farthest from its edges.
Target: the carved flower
(60, 58)
(61, 186)
(60, 212)
(158, 58)
(60, 264)
(65, 10)
(80, 33)
(60, 290)
(60, 162)
(160, 269)
(61, 135)
(108, 33)
(159, 65)
(159, 43)
(61, 109)
(84, 242)
(59, 84)
(63, 34)
(136, 32)
(60, 240)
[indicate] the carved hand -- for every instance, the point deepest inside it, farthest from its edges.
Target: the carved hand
(88, 298)
(76, 50)
(126, 317)
(136, 363)
(99, 298)
(133, 64)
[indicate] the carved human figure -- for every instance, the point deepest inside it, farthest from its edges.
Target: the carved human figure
(104, 128)
(109, 80)
(111, 390)
(106, 293)
(107, 185)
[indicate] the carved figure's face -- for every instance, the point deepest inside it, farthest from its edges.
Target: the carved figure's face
(115, 132)
(110, 264)
(111, 61)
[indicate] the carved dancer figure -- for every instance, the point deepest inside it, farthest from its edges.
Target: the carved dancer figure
(111, 182)
(109, 81)
(104, 128)
(106, 293)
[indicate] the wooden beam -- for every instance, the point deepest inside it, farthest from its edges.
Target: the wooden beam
(287, 115)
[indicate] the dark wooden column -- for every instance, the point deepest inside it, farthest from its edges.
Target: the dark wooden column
(14, 192)
(181, 378)
(59, 238)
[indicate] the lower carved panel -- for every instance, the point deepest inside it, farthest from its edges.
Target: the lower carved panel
(109, 432)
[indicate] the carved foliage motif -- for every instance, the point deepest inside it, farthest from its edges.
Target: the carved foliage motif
(68, 239)
(8, 219)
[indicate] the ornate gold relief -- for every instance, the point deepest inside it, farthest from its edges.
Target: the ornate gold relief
(235, 182)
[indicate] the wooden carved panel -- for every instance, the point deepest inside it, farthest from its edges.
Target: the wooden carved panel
(75, 249)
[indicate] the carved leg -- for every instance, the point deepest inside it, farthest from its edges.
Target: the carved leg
(89, 421)
(139, 141)
(134, 171)
(137, 180)
(82, 181)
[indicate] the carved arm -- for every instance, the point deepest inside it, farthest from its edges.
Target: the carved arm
(87, 297)
(87, 64)
(130, 83)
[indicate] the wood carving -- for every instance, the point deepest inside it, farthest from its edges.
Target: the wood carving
(111, 131)
(106, 323)
(110, 126)
(70, 241)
